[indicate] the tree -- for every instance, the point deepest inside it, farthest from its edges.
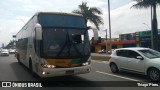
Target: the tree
(10, 45)
(90, 14)
(147, 4)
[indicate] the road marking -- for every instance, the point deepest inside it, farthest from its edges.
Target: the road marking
(117, 76)
(105, 62)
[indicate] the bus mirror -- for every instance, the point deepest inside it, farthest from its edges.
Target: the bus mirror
(95, 32)
(38, 31)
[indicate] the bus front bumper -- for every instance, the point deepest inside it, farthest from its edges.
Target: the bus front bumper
(46, 72)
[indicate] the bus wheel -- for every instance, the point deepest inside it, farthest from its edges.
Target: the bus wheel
(18, 58)
(31, 68)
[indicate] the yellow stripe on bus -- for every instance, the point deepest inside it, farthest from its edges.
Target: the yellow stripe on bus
(62, 62)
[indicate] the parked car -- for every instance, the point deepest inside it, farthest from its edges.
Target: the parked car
(12, 51)
(4, 52)
(102, 51)
(137, 60)
(110, 51)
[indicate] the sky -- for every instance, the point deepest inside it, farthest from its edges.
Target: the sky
(124, 19)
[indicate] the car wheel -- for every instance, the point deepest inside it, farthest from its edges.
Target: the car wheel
(154, 74)
(114, 68)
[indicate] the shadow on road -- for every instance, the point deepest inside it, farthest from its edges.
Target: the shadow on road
(130, 75)
(23, 74)
(140, 77)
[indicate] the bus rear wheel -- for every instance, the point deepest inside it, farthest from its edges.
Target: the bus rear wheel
(18, 58)
(31, 68)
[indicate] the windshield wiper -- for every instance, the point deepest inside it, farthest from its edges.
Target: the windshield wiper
(68, 43)
(67, 38)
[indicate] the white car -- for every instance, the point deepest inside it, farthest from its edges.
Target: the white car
(137, 60)
(102, 51)
(110, 51)
(4, 52)
(12, 51)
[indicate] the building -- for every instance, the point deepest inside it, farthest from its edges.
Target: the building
(137, 39)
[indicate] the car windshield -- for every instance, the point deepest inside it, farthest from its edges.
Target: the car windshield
(150, 53)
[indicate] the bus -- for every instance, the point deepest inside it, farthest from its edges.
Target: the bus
(55, 44)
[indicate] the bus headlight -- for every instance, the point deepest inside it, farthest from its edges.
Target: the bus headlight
(48, 66)
(86, 63)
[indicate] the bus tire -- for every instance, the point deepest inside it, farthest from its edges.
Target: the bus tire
(31, 68)
(18, 58)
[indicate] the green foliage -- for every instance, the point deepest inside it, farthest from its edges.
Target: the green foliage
(90, 14)
(10, 45)
(145, 3)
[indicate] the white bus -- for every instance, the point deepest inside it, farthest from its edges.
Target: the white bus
(54, 44)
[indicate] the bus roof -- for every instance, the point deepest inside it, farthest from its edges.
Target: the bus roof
(65, 13)
(45, 12)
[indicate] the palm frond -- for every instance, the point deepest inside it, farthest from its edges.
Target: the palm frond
(83, 7)
(96, 10)
(77, 11)
(90, 14)
(96, 20)
(142, 5)
(138, 0)
(158, 2)
(145, 3)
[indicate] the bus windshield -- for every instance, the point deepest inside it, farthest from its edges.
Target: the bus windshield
(65, 43)
(64, 36)
(61, 20)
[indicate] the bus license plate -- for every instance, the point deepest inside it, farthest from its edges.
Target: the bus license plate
(70, 72)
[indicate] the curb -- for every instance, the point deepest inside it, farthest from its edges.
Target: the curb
(100, 58)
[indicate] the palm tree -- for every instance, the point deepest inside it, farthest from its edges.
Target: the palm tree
(147, 4)
(90, 14)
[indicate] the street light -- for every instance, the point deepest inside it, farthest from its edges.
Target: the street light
(109, 24)
(22, 21)
(146, 25)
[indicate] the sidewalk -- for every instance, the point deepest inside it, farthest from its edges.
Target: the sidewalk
(101, 57)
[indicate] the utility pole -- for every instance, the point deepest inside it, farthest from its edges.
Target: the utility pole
(109, 25)
(106, 42)
(151, 29)
(154, 29)
(2, 45)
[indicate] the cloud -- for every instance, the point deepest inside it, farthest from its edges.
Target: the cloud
(128, 20)
(17, 12)
(123, 19)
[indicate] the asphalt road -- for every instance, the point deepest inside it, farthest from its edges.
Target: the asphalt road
(12, 71)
